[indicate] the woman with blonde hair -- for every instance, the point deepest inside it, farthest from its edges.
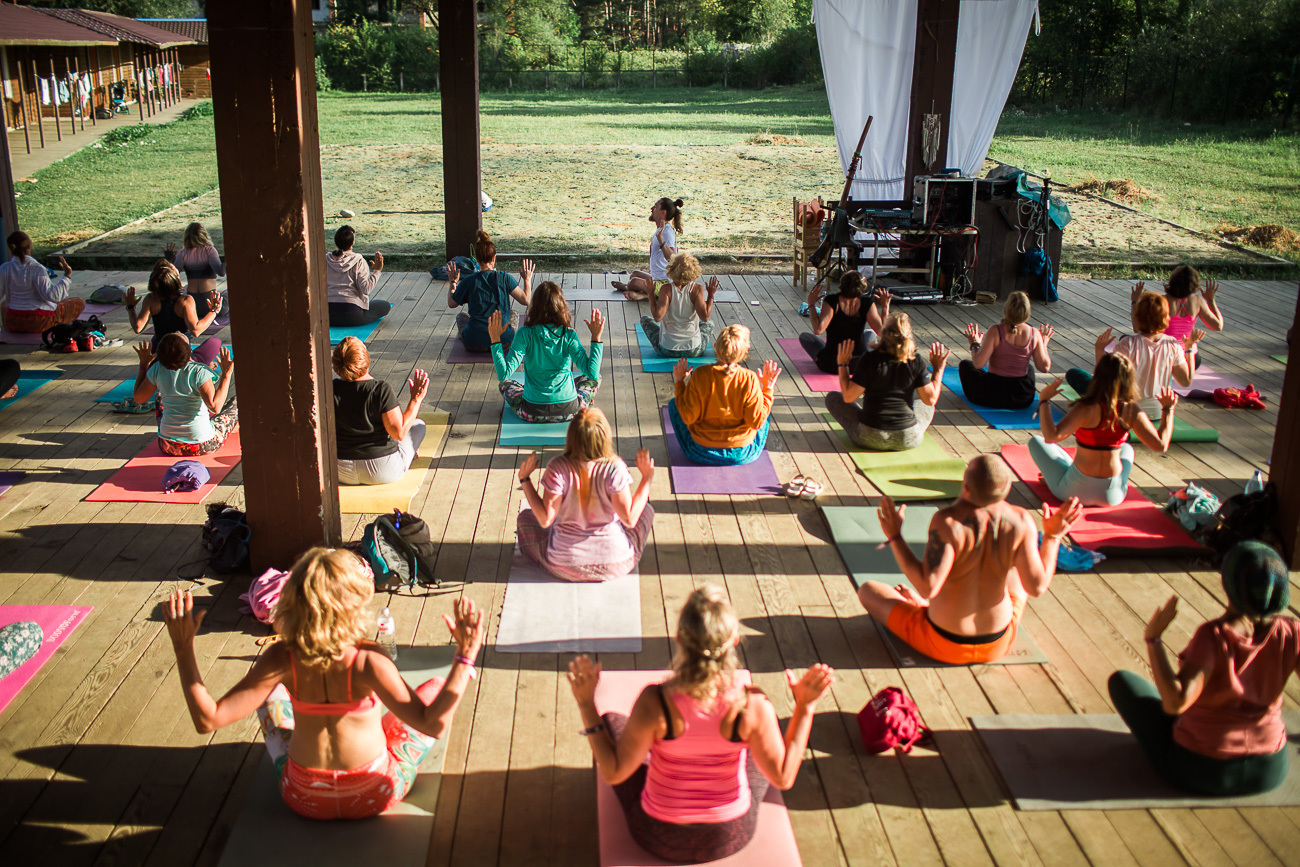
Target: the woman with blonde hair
(321, 690)
(549, 347)
(1100, 422)
(377, 440)
(720, 412)
(888, 378)
(679, 323)
(693, 761)
(1011, 351)
(199, 260)
(666, 214)
(584, 522)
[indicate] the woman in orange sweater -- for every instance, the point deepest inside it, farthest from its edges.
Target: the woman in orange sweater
(720, 412)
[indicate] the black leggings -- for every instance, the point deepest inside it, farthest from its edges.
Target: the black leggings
(685, 844)
(9, 370)
(343, 314)
(1138, 702)
(999, 392)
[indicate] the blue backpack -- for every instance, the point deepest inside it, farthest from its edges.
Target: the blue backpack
(464, 263)
(399, 551)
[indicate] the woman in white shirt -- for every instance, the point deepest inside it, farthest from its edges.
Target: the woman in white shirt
(679, 325)
(666, 214)
(30, 302)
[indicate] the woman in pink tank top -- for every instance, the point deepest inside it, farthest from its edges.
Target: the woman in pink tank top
(1187, 302)
(1012, 351)
(693, 762)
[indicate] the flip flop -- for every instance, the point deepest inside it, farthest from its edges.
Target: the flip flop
(131, 407)
(795, 487)
(811, 489)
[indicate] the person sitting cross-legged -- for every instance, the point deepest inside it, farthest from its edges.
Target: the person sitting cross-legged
(30, 302)
(679, 325)
(847, 314)
(548, 346)
(983, 560)
(350, 280)
(1012, 351)
(186, 389)
(721, 412)
(377, 438)
(585, 522)
(484, 292)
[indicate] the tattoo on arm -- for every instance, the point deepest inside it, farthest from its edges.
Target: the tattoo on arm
(933, 551)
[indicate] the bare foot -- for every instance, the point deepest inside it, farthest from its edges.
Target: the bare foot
(635, 295)
(619, 286)
(13, 392)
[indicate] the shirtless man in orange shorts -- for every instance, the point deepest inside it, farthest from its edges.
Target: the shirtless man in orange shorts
(980, 565)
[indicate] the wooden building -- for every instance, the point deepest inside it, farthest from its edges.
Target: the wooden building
(196, 78)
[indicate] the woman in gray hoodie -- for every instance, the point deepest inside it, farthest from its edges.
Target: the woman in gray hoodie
(350, 280)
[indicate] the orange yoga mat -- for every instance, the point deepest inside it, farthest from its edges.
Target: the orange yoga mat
(773, 842)
(140, 481)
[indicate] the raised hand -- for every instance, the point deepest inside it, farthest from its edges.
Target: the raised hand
(527, 468)
(418, 384)
(1051, 390)
(526, 270)
(1103, 339)
(378, 263)
(1190, 341)
(466, 626)
(584, 675)
(890, 516)
(938, 356)
(145, 354)
(1136, 292)
(453, 273)
(226, 360)
(973, 334)
(1047, 331)
(680, 370)
(814, 295)
(1211, 289)
(1161, 620)
(596, 325)
(712, 286)
(1168, 398)
(1057, 524)
(812, 686)
(495, 327)
(171, 247)
(129, 299)
(65, 267)
(645, 464)
(182, 623)
(844, 353)
(214, 302)
(884, 298)
(771, 370)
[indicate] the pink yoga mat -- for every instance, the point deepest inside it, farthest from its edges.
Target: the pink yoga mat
(57, 622)
(140, 481)
(758, 477)
(773, 842)
(1136, 524)
(807, 368)
(1206, 380)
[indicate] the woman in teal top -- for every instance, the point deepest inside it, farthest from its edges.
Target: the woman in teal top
(548, 345)
(188, 391)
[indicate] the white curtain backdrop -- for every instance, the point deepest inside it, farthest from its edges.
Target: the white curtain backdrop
(867, 49)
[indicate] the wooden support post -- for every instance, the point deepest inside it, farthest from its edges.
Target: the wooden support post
(90, 91)
(139, 83)
(8, 201)
(932, 71)
(461, 169)
(22, 102)
(268, 167)
(74, 90)
(54, 98)
(36, 90)
(1284, 470)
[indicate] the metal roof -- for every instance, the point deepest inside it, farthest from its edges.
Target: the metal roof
(23, 25)
(190, 28)
(119, 28)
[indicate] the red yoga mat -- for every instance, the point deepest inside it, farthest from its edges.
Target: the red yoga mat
(140, 481)
(773, 842)
(1136, 524)
(807, 368)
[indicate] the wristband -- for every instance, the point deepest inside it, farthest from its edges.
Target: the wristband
(897, 537)
(598, 727)
(975, 347)
(1155, 640)
(469, 663)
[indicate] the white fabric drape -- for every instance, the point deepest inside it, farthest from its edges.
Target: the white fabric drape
(867, 49)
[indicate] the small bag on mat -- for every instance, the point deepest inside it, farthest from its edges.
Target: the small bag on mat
(399, 550)
(263, 594)
(891, 721)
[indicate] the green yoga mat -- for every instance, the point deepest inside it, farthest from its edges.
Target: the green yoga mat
(1281, 358)
(268, 832)
(1184, 431)
(857, 535)
(926, 472)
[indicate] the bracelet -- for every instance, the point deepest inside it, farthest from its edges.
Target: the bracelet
(975, 347)
(1155, 640)
(897, 537)
(598, 727)
(468, 663)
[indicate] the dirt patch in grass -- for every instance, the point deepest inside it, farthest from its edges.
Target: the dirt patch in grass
(1121, 189)
(1277, 239)
(765, 138)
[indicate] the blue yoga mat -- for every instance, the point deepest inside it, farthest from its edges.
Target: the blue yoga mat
(29, 381)
(653, 362)
(1002, 419)
(517, 432)
(361, 332)
(121, 391)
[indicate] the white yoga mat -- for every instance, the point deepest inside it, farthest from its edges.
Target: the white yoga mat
(543, 614)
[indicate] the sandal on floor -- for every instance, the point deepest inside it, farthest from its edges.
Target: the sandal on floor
(794, 487)
(811, 489)
(130, 406)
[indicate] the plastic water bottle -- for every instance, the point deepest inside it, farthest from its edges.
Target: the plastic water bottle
(388, 633)
(1256, 483)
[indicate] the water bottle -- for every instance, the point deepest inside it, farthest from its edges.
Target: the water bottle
(1256, 483)
(388, 633)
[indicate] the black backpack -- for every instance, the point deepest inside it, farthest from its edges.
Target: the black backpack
(1243, 517)
(400, 551)
(225, 536)
(56, 339)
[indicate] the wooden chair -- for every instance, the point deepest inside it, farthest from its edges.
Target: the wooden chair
(806, 240)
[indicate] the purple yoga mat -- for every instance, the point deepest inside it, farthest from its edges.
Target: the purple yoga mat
(9, 479)
(758, 477)
(1206, 380)
(460, 355)
(95, 308)
(24, 339)
(812, 375)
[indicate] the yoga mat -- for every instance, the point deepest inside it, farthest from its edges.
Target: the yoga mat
(99, 308)
(57, 622)
(1185, 432)
(806, 367)
(121, 391)
(1281, 358)
(542, 614)
(361, 332)
(381, 499)
(1093, 762)
(460, 355)
(140, 481)
(9, 479)
(20, 339)
(29, 381)
(1136, 524)
(723, 296)
(926, 472)
(1000, 419)
(268, 832)
(1206, 380)
(653, 362)
(757, 477)
(856, 533)
(773, 841)
(517, 432)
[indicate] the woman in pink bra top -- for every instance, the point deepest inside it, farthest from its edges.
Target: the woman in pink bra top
(1187, 302)
(1012, 351)
(693, 762)
(318, 691)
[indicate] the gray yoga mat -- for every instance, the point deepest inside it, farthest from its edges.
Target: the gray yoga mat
(856, 533)
(608, 293)
(268, 832)
(542, 614)
(1093, 762)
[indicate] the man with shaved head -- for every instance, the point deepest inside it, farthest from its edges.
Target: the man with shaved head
(981, 563)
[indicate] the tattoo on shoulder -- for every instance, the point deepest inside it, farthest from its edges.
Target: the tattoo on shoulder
(933, 549)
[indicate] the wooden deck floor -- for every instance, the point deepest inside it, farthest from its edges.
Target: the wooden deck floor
(99, 762)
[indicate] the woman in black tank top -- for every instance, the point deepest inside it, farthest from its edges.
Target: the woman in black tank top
(172, 311)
